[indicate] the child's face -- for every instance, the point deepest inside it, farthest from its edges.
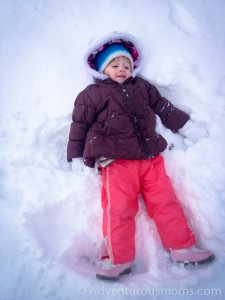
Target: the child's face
(119, 69)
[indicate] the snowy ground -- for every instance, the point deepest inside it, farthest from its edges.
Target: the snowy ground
(50, 218)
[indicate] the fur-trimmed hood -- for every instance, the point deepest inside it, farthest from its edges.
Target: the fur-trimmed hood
(125, 39)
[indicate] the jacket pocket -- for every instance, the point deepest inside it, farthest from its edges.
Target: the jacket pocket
(104, 128)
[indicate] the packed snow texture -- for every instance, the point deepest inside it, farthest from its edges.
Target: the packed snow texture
(50, 217)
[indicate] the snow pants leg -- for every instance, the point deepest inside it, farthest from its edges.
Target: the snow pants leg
(120, 205)
(164, 208)
(122, 182)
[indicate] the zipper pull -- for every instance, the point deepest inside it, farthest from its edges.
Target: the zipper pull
(134, 119)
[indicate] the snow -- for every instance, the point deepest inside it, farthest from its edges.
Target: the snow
(50, 218)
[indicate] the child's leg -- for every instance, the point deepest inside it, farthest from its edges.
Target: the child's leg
(120, 205)
(163, 207)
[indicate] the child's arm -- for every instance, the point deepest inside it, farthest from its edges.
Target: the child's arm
(82, 118)
(174, 118)
(171, 117)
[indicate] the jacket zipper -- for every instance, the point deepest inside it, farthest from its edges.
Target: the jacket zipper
(134, 120)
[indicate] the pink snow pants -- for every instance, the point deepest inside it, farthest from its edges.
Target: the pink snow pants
(123, 181)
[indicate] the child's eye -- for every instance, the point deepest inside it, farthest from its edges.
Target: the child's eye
(127, 67)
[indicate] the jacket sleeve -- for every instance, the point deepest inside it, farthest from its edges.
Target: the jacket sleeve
(83, 117)
(171, 117)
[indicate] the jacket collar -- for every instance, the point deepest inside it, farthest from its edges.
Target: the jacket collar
(111, 82)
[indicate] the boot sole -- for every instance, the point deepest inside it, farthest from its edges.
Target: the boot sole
(111, 278)
(197, 263)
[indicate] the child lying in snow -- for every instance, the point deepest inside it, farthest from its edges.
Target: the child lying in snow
(114, 125)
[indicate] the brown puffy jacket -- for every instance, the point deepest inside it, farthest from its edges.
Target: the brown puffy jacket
(118, 121)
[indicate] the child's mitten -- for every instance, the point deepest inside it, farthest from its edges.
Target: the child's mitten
(194, 131)
(78, 165)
